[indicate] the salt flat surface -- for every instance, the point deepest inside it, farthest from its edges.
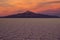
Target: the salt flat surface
(29, 29)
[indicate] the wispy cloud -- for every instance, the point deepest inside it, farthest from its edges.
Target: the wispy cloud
(46, 4)
(13, 6)
(4, 3)
(53, 2)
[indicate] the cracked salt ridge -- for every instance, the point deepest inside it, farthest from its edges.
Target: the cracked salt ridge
(1, 38)
(17, 30)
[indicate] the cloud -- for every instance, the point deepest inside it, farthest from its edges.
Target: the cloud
(47, 4)
(52, 12)
(53, 2)
(13, 6)
(3, 0)
(4, 3)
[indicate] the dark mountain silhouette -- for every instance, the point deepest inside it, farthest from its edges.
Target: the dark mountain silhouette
(52, 12)
(29, 14)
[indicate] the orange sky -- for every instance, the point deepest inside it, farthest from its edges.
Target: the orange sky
(8, 7)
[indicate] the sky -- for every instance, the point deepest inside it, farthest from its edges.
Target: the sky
(9, 7)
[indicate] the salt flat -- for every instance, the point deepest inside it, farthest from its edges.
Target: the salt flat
(29, 29)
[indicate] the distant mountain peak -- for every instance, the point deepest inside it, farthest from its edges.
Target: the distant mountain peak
(28, 13)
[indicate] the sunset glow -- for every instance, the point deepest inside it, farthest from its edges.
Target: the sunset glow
(8, 7)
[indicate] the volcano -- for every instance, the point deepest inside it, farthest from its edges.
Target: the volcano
(29, 14)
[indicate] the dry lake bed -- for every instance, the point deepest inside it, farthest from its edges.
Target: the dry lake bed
(29, 29)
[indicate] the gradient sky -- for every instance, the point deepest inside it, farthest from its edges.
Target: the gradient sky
(8, 7)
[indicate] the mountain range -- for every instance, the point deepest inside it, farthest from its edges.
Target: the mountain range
(29, 14)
